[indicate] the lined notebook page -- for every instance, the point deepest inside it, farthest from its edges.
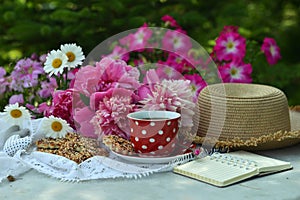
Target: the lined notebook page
(218, 171)
(264, 164)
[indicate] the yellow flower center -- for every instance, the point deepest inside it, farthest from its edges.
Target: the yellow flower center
(230, 45)
(233, 71)
(16, 113)
(71, 56)
(56, 63)
(272, 50)
(56, 126)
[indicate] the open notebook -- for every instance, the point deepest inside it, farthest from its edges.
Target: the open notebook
(228, 168)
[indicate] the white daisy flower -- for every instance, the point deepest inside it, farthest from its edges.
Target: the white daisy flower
(17, 115)
(55, 127)
(55, 63)
(74, 54)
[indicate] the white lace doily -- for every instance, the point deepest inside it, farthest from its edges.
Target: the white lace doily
(19, 159)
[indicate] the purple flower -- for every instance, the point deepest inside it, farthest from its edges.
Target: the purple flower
(48, 88)
(25, 74)
(3, 81)
(17, 98)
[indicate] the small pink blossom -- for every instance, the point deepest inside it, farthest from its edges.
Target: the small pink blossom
(175, 41)
(230, 46)
(271, 50)
(170, 21)
(236, 72)
(197, 84)
(229, 29)
(17, 98)
(167, 72)
(119, 53)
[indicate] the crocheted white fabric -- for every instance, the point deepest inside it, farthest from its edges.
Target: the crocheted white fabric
(17, 159)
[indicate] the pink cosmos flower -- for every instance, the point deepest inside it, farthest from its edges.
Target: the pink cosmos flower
(271, 50)
(236, 72)
(197, 84)
(17, 98)
(230, 46)
(110, 118)
(175, 41)
(62, 105)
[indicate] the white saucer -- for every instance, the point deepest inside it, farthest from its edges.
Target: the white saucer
(152, 160)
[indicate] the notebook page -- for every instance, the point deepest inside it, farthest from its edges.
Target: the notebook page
(218, 172)
(263, 163)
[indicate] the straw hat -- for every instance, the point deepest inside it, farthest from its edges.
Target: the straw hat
(246, 116)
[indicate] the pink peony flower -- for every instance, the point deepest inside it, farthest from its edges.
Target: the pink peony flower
(236, 72)
(172, 95)
(197, 84)
(87, 79)
(143, 92)
(230, 46)
(83, 117)
(62, 105)
(271, 51)
(110, 118)
(175, 41)
(116, 73)
(17, 98)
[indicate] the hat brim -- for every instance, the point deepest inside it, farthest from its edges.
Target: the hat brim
(279, 139)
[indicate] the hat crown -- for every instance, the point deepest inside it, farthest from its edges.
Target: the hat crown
(232, 110)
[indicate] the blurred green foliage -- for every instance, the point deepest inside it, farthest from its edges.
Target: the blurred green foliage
(29, 26)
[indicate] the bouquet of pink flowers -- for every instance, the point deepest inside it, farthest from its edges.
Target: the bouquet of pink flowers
(105, 93)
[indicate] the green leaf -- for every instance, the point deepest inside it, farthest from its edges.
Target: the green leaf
(85, 99)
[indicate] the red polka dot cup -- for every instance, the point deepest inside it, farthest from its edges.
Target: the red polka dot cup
(153, 133)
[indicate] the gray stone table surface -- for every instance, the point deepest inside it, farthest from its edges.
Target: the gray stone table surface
(282, 186)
